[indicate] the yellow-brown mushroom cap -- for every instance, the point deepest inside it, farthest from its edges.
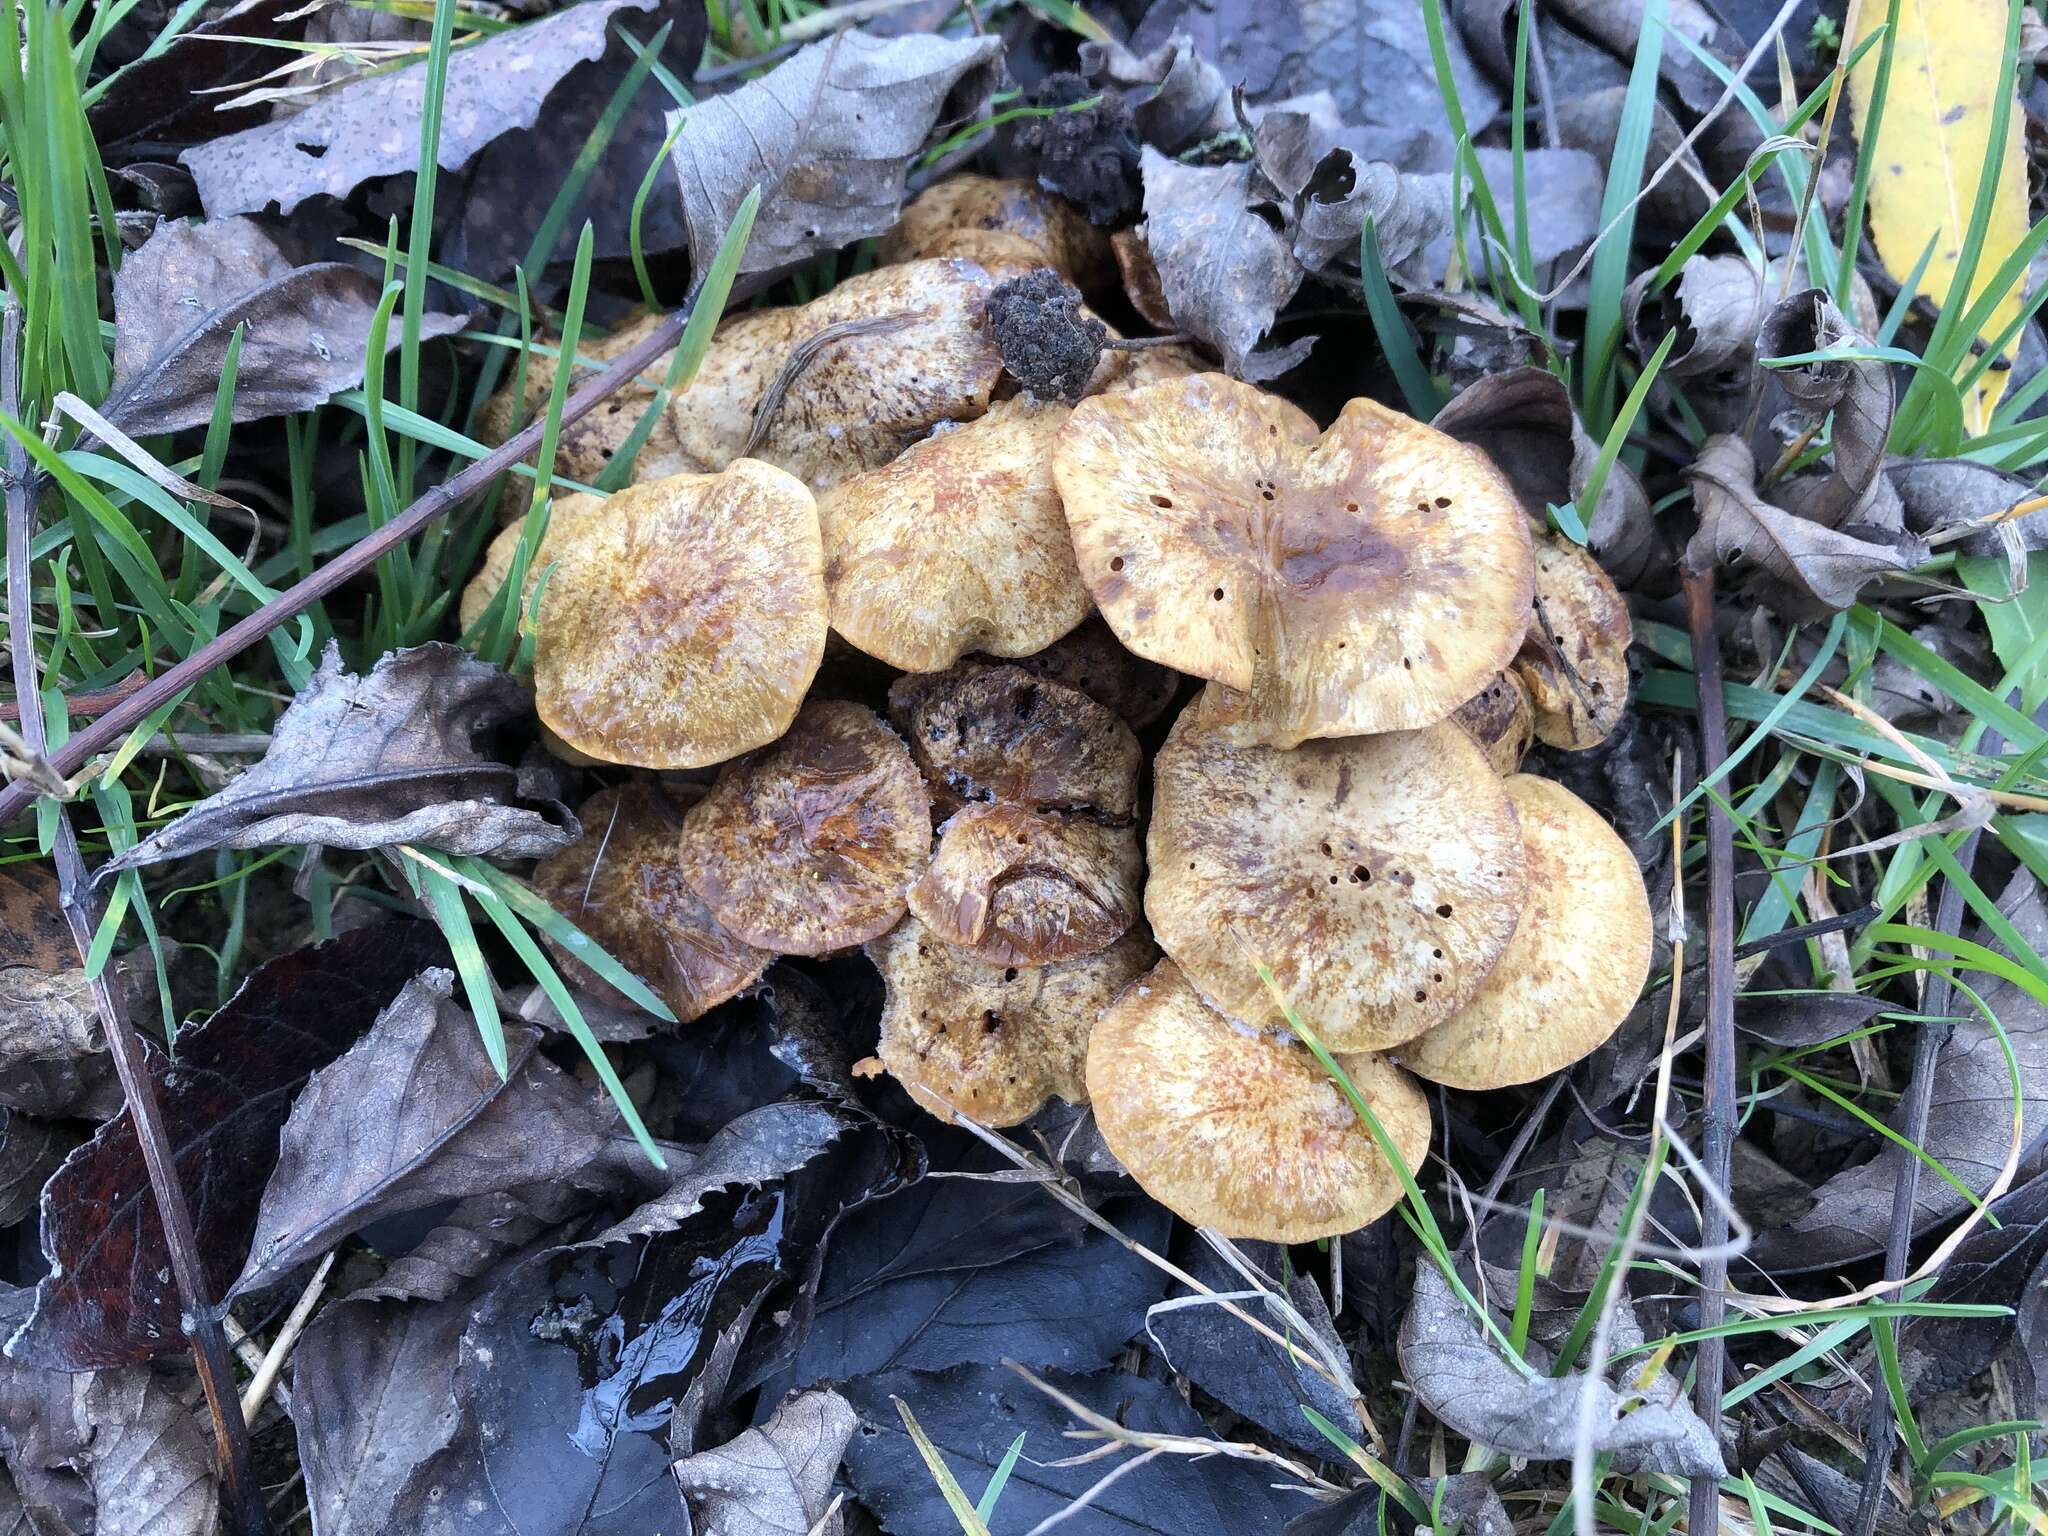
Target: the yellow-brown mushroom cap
(994, 220)
(1575, 965)
(495, 568)
(809, 845)
(1574, 658)
(1241, 1131)
(956, 545)
(622, 884)
(1380, 877)
(983, 733)
(993, 1042)
(684, 619)
(1018, 887)
(1372, 578)
(1502, 720)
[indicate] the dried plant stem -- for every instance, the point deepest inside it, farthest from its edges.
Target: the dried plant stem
(246, 1506)
(265, 1379)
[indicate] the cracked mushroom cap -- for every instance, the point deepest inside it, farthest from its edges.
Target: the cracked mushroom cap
(809, 845)
(1502, 720)
(622, 884)
(1380, 877)
(1004, 221)
(1001, 733)
(1372, 578)
(685, 618)
(1575, 965)
(1242, 1131)
(958, 544)
(1016, 887)
(1574, 659)
(994, 1042)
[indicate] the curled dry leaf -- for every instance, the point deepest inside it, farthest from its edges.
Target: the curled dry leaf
(1379, 877)
(830, 135)
(993, 1041)
(1177, 95)
(370, 761)
(1716, 306)
(1013, 886)
(999, 222)
(1574, 660)
(623, 885)
(775, 1479)
(1855, 395)
(1943, 493)
(1370, 578)
(810, 845)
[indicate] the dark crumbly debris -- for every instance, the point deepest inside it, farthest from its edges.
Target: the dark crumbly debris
(1048, 345)
(1089, 157)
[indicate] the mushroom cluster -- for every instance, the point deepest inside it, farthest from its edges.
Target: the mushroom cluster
(1364, 627)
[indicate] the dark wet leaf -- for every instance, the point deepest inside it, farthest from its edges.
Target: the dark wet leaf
(371, 761)
(1941, 493)
(775, 1479)
(1257, 45)
(480, 1233)
(828, 136)
(1796, 1019)
(30, 1150)
(1373, 57)
(109, 1299)
(972, 1414)
(2002, 1266)
(179, 300)
(1855, 394)
(155, 102)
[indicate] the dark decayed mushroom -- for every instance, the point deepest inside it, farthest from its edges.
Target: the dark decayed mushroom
(1093, 660)
(1241, 1131)
(998, 223)
(1502, 720)
(1013, 886)
(1574, 658)
(809, 845)
(622, 884)
(1380, 877)
(1576, 963)
(993, 1042)
(1370, 578)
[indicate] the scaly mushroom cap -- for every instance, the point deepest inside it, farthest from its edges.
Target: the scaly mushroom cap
(995, 222)
(1379, 877)
(1369, 579)
(1093, 660)
(983, 733)
(685, 618)
(956, 545)
(1575, 965)
(496, 566)
(622, 884)
(1502, 720)
(1574, 659)
(993, 1042)
(1241, 1131)
(809, 845)
(1015, 887)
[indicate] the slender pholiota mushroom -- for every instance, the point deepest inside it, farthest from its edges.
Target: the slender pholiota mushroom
(1574, 657)
(622, 884)
(1013, 886)
(1243, 1131)
(1001, 222)
(993, 1042)
(1502, 720)
(1369, 578)
(808, 846)
(1575, 965)
(1379, 877)
(956, 545)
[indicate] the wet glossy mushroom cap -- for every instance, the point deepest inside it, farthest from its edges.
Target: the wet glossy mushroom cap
(1001, 221)
(684, 620)
(1372, 578)
(1017, 887)
(622, 884)
(809, 845)
(956, 545)
(496, 565)
(1379, 877)
(1502, 720)
(1575, 965)
(983, 733)
(1242, 1131)
(1574, 658)
(993, 1041)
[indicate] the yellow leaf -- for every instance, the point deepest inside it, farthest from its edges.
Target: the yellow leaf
(1930, 155)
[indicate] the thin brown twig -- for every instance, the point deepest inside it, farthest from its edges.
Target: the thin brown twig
(201, 1322)
(82, 706)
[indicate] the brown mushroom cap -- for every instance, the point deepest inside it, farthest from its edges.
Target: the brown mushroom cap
(622, 884)
(1369, 579)
(1093, 660)
(1241, 1131)
(991, 220)
(1575, 965)
(993, 1041)
(809, 845)
(1123, 371)
(1502, 720)
(1001, 733)
(496, 565)
(1574, 659)
(1379, 877)
(957, 545)
(685, 618)
(1140, 274)
(1015, 887)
